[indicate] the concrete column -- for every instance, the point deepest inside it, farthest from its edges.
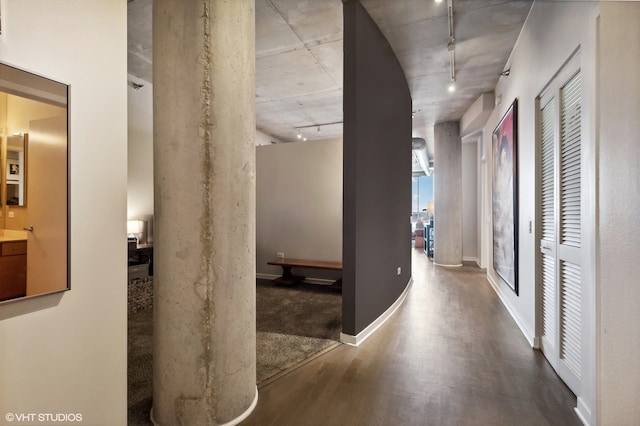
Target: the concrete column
(204, 170)
(447, 194)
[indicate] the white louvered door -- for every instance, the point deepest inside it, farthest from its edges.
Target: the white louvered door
(568, 248)
(560, 228)
(548, 228)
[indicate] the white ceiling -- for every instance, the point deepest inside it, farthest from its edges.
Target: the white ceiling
(299, 58)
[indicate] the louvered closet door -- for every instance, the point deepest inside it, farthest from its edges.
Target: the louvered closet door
(548, 131)
(560, 242)
(570, 238)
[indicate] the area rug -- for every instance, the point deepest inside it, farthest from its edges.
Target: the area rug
(293, 324)
(309, 310)
(139, 366)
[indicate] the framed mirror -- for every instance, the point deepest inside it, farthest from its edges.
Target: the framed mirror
(34, 200)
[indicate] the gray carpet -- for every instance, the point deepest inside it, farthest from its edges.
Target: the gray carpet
(292, 325)
(139, 367)
(304, 310)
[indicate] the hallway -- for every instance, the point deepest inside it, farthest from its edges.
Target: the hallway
(450, 355)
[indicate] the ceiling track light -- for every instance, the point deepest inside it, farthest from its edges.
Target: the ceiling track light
(317, 127)
(135, 86)
(452, 65)
(301, 136)
(451, 47)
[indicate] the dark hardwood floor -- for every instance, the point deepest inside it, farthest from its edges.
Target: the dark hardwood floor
(451, 355)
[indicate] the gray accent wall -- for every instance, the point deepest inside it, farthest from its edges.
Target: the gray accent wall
(377, 173)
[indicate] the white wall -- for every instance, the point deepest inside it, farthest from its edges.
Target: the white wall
(265, 139)
(552, 32)
(299, 202)
(550, 35)
(71, 356)
(618, 289)
(140, 151)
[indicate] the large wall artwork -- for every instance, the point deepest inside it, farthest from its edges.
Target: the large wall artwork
(505, 198)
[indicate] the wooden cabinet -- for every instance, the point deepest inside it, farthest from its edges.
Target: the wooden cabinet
(13, 269)
(140, 259)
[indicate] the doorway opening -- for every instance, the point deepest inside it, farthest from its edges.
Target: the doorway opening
(422, 208)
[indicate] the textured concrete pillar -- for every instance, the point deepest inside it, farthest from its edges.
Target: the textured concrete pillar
(204, 161)
(447, 194)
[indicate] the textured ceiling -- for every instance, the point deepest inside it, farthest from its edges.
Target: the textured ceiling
(299, 58)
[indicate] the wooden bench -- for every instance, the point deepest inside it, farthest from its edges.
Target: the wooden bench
(288, 278)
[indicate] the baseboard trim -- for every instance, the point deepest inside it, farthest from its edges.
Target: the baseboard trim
(536, 342)
(267, 276)
(246, 414)
(519, 322)
(583, 412)
(357, 340)
(447, 266)
(471, 259)
(320, 281)
(233, 422)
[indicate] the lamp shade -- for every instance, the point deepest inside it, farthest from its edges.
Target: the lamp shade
(134, 226)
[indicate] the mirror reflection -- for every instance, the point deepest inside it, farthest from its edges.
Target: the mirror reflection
(16, 169)
(33, 177)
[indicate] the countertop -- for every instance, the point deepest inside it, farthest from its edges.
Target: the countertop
(7, 235)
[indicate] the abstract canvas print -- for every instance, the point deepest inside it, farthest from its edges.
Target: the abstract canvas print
(505, 199)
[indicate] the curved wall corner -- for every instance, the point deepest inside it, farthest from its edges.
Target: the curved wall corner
(377, 173)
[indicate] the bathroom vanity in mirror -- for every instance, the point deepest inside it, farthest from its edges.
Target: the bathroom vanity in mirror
(13, 264)
(33, 185)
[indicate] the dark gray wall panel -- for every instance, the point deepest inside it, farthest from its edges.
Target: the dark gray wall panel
(377, 172)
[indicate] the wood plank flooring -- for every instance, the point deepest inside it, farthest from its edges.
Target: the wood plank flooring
(451, 355)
